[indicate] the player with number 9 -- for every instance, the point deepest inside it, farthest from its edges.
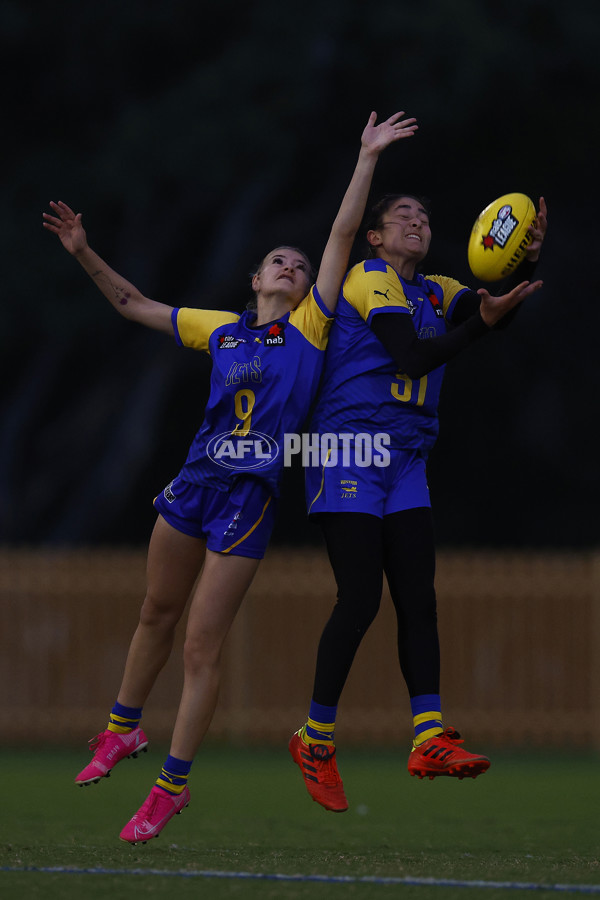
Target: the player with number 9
(215, 517)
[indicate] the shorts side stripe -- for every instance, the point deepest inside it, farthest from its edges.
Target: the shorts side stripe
(250, 530)
(320, 491)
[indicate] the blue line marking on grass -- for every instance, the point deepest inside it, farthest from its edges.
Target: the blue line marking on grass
(329, 879)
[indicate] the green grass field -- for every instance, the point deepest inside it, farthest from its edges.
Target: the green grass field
(533, 818)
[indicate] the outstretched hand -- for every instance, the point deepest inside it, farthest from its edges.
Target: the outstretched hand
(492, 309)
(67, 225)
(538, 232)
(376, 138)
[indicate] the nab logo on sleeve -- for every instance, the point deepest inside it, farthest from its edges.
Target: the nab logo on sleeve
(275, 336)
(437, 307)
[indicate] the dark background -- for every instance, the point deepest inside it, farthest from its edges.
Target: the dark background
(194, 137)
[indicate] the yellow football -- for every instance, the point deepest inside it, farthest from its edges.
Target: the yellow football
(500, 237)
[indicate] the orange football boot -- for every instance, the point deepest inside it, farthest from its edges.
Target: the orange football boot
(442, 755)
(319, 768)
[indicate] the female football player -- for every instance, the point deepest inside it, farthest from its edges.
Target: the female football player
(216, 516)
(393, 332)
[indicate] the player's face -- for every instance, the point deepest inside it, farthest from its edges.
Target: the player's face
(283, 272)
(404, 232)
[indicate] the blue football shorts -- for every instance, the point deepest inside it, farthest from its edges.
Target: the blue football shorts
(380, 491)
(238, 522)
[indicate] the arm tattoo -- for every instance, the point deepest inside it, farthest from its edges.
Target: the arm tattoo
(122, 295)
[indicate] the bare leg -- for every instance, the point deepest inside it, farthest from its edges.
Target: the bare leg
(217, 598)
(174, 560)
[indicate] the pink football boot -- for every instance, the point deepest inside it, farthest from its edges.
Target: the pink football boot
(153, 815)
(110, 748)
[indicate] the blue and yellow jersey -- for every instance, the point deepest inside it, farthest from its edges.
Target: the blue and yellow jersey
(362, 390)
(263, 381)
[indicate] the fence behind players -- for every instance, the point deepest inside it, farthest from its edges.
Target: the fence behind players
(520, 635)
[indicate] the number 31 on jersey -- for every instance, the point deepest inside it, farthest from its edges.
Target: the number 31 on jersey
(406, 388)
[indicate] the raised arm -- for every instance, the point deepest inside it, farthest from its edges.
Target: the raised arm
(336, 255)
(123, 295)
(417, 356)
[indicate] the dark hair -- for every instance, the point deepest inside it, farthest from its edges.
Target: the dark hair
(375, 215)
(311, 272)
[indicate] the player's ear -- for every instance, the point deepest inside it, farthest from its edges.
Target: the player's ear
(374, 238)
(255, 282)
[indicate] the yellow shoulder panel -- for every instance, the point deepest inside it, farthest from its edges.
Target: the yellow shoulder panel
(195, 326)
(373, 289)
(311, 320)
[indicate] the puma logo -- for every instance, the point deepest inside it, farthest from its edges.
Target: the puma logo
(383, 294)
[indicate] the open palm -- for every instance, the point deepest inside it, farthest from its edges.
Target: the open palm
(67, 225)
(378, 137)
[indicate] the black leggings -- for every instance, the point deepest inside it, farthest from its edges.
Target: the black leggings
(361, 548)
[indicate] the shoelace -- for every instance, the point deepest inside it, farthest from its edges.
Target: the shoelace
(152, 802)
(96, 742)
(451, 736)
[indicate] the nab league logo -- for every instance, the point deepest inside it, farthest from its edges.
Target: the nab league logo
(502, 227)
(229, 342)
(251, 450)
(275, 336)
